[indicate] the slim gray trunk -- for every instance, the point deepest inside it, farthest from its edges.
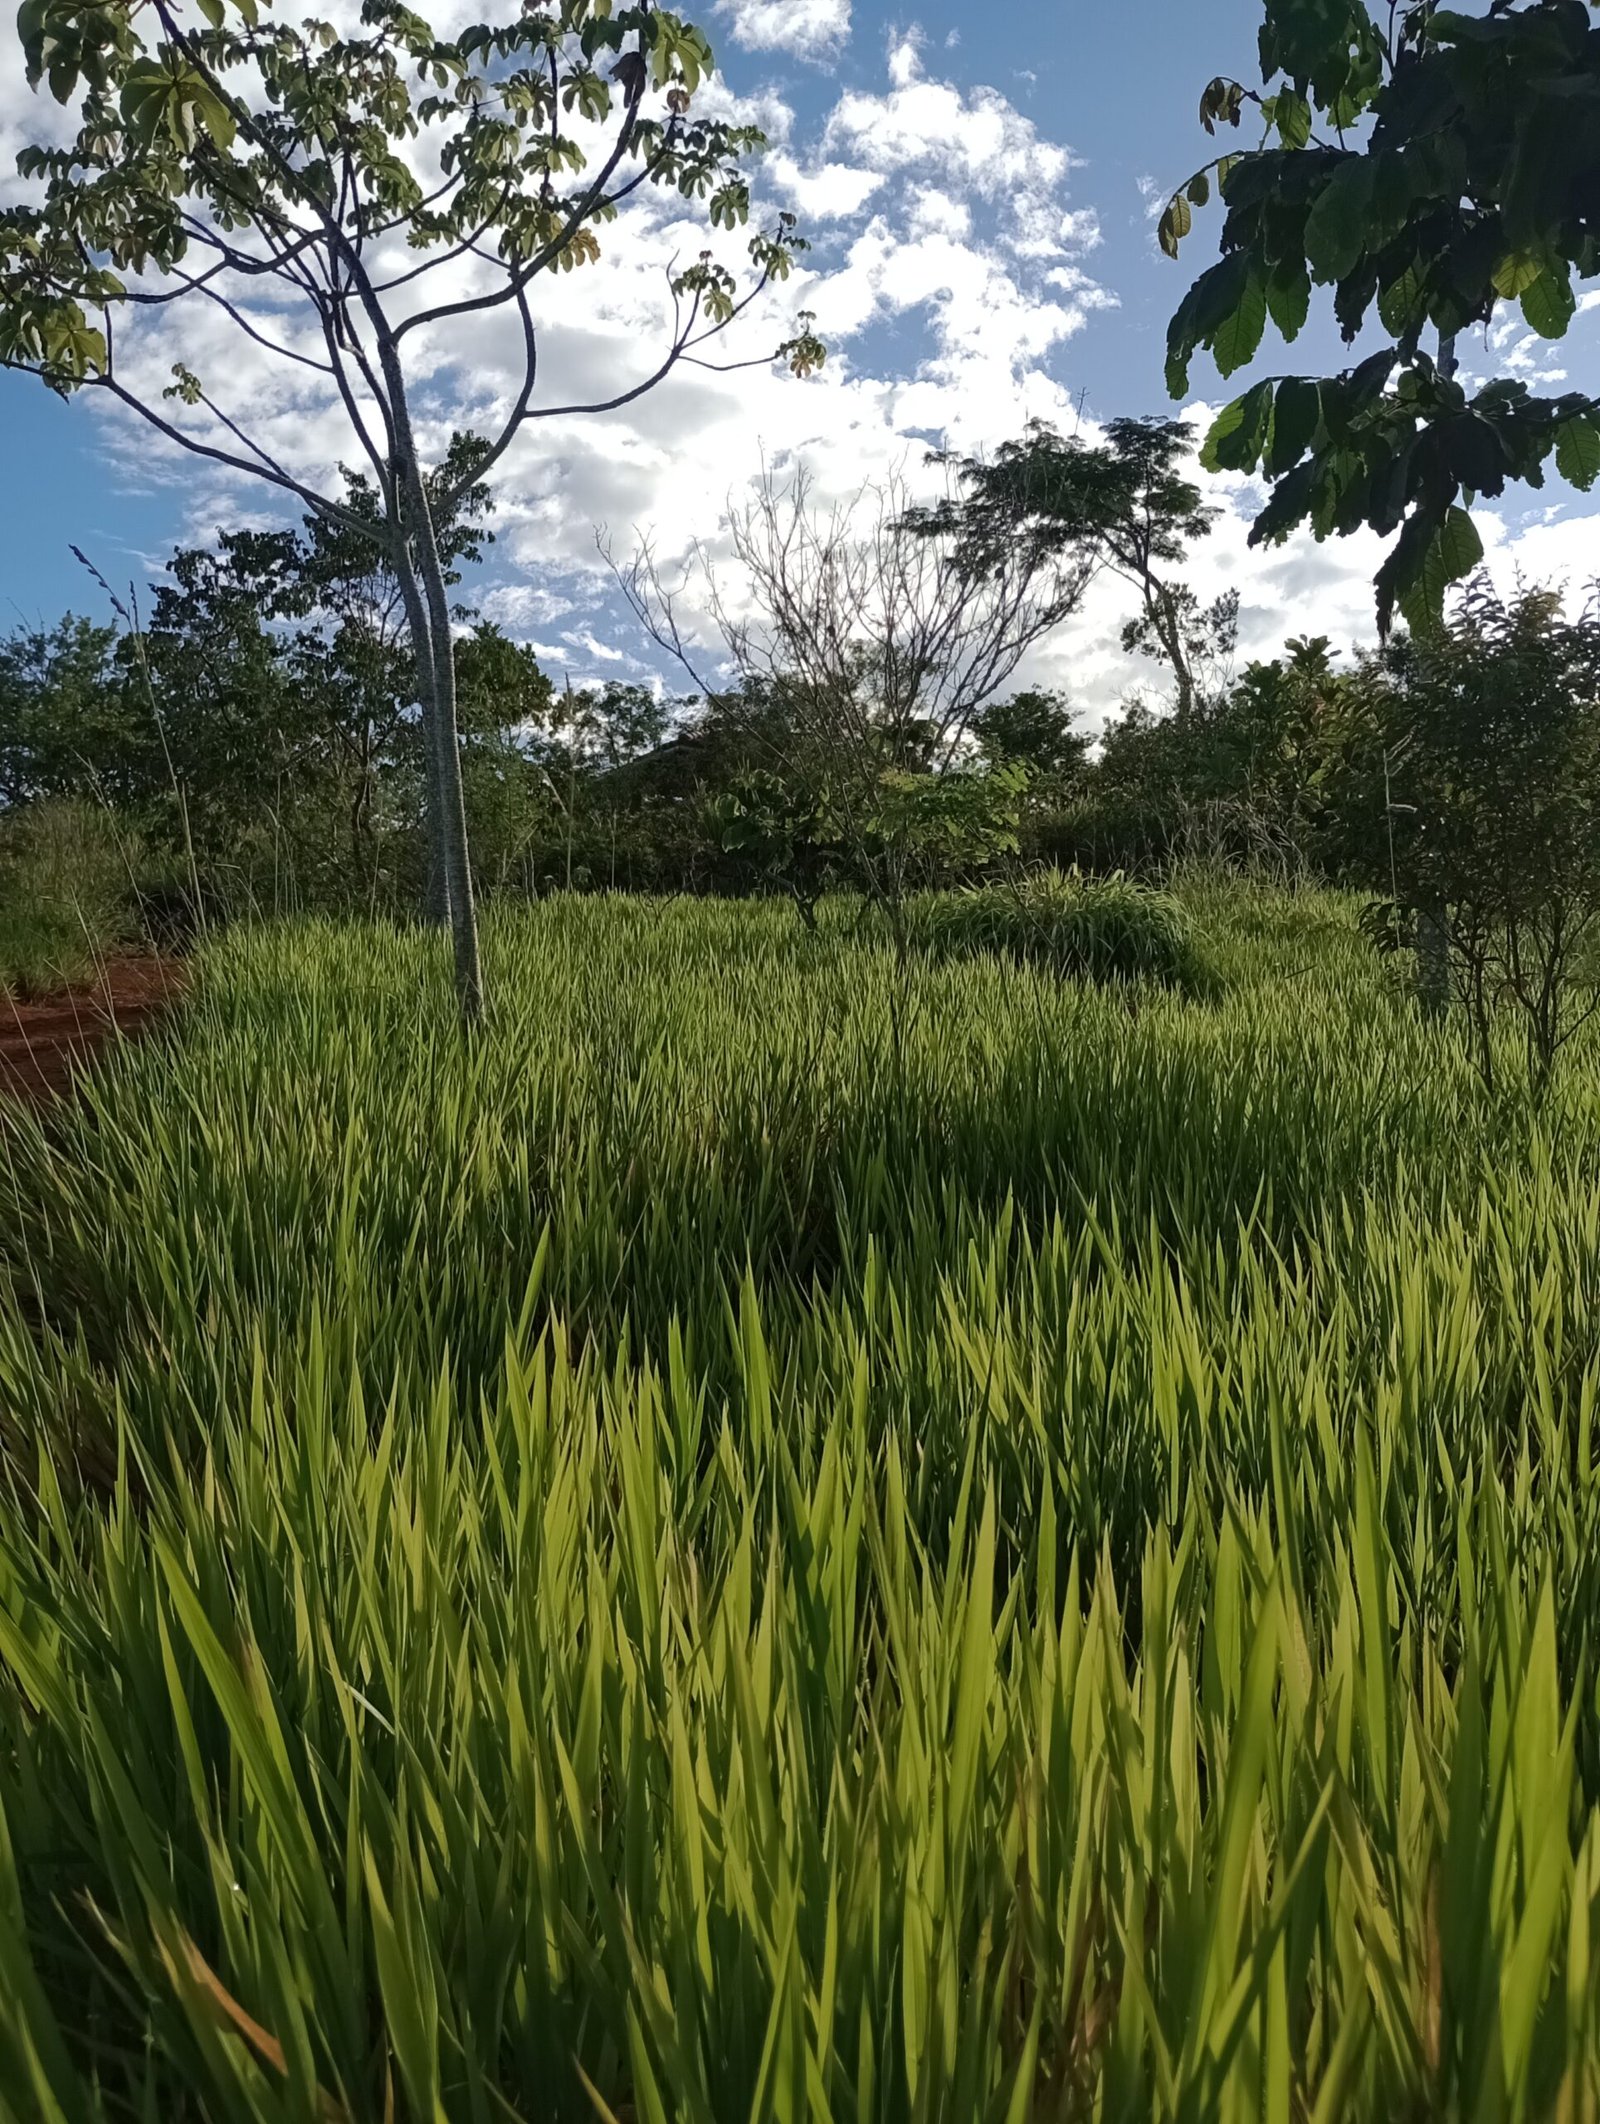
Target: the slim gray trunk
(1169, 633)
(436, 892)
(1433, 917)
(450, 807)
(1433, 959)
(422, 586)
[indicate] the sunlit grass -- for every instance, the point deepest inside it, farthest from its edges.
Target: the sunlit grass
(798, 1534)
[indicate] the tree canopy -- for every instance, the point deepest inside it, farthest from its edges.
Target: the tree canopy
(1430, 166)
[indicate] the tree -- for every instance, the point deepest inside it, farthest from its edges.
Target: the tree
(1466, 776)
(64, 714)
(354, 208)
(593, 733)
(1197, 641)
(1124, 501)
(865, 638)
(325, 608)
(1032, 729)
(1430, 165)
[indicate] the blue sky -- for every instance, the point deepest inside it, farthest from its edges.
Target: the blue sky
(979, 184)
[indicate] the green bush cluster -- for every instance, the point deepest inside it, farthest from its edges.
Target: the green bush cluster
(69, 894)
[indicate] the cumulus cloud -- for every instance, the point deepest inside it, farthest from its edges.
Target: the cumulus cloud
(812, 29)
(824, 191)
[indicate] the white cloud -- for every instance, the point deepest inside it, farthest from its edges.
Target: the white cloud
(813, 29)
(974, 137)
(952, 269)
(827, 191)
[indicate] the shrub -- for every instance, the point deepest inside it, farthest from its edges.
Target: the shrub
(1087, 929)
(67, 893)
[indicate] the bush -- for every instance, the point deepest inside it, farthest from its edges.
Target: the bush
(1087, 929)
(67, 893)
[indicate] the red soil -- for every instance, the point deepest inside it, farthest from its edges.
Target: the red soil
(43, 1042)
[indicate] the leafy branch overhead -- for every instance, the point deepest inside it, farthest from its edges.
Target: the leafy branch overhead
(1431, 167)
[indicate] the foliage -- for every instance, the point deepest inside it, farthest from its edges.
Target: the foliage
(1431, 165)
(865, 640)
(790, 1532)
(913, 830)
(1091, 929)
(66, 724)
(782, 835)
(1032, 730)
(1124, 501)
(70, 886)
(261, 716)
(1480, 750)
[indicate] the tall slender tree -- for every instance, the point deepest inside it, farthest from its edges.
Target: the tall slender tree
(356, 211)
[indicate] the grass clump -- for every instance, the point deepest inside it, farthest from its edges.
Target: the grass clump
(795, 1532)
(1105, 930)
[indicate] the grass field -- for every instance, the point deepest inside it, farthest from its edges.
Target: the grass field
(789, 1536)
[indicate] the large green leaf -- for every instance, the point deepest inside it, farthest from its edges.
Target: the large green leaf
(1296, 415)
(1578, 451)
(1239, 335)
(1549, 304)
(1338, 225)
(1451, 554)
(1238, 434)
(1289, 297)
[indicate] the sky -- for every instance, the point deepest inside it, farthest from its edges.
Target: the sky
(980, 187)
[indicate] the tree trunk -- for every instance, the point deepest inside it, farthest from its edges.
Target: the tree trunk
(1433, 920)
(1170, 635)
(1433, 959)
(436, 892)
(423, 586)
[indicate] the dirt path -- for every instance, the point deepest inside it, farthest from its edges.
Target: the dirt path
(43, 1042)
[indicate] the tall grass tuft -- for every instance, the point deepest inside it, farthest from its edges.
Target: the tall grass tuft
(1110, 929)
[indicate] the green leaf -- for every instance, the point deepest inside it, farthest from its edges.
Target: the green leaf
(1176, 223)
(1236, 436)
(1293, 117)
(1295, 419)
(1338, 224)
(1237, 338)
(1578, 451)
(1549, 304)
(412, 2028)
(1400, 301)
(1453, 552)
(1289, 297)
(1516, 272)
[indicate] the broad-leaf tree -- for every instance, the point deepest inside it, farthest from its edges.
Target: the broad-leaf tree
(1123, 500)
(359, 210)
(1432, 166)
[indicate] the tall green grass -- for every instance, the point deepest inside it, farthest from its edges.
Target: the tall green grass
(795, 1534)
